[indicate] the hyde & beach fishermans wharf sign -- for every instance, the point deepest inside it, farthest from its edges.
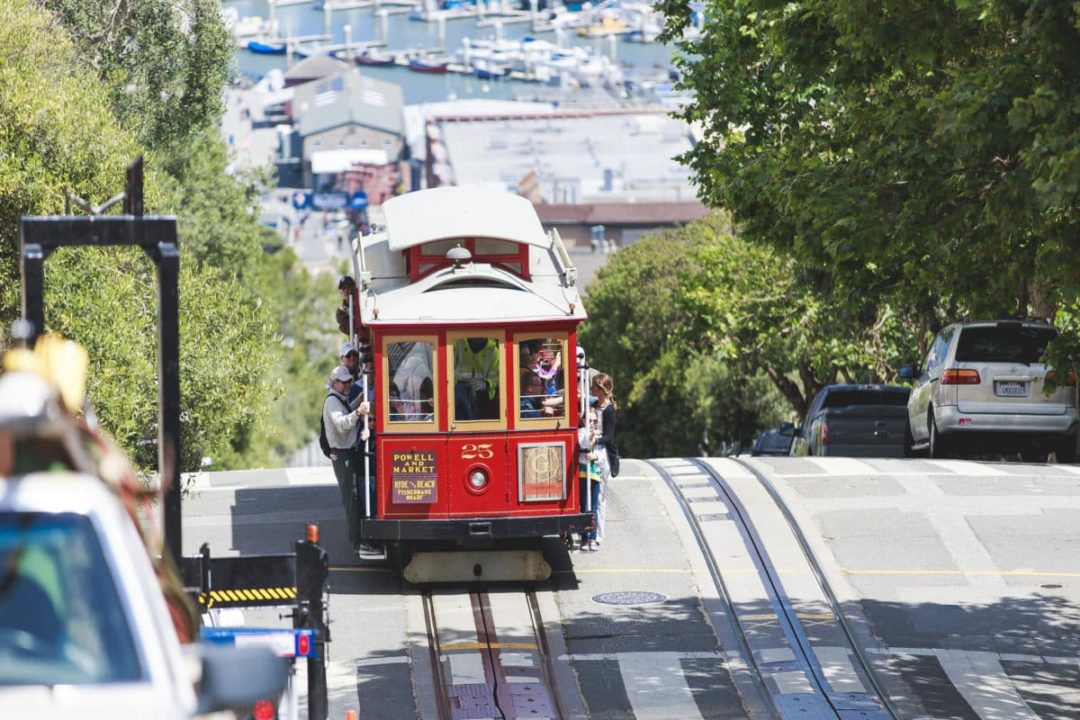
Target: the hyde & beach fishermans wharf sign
(413, 477)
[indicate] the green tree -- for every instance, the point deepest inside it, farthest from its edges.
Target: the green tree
(672, 399)
(57, 135)
(163, 62)
(920, 155)
(753, 307)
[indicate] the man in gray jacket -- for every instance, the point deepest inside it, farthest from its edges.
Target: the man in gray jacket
(343, 423)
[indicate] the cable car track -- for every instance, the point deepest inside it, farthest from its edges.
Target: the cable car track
(794, 654)
(490, 655)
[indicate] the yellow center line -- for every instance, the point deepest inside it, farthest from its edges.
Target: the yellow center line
(486, 646)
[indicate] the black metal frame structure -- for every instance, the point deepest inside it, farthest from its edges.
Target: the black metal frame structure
(237, 581)
(156, 235)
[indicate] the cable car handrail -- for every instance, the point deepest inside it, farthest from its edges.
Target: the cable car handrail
(562, 259)
(363, 275)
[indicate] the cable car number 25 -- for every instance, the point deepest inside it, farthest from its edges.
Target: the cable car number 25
(483, 451)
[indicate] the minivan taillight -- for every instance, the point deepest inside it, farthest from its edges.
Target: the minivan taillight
(960, 377)
(824, 432)
(1070, 378)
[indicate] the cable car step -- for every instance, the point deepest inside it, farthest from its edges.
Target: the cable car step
(477, 565)
(377, 552)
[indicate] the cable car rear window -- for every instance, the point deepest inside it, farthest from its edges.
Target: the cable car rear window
(1003, 343)
(61, 621)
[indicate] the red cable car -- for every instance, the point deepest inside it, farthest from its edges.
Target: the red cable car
(473, 312)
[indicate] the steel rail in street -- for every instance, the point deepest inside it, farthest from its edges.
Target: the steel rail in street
(826, 587)
(762, 690)
(498, 696)
(786, 615)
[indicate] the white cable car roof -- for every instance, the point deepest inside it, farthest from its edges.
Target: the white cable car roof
(459, 212)
(475, 292)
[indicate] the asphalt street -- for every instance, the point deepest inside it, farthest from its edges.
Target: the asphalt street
(961, 581)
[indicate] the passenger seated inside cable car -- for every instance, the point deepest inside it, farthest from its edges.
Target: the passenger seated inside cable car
(542, 378)
(533, 396)
(476, 378)
(411, 391)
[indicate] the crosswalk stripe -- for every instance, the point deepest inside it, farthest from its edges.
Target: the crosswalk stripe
(980, 679)
(656, 686)
(844, 466)
(967, 467)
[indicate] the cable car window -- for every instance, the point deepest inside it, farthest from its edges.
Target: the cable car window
(542, 378)
(439, 248)
(476, 379)
(492, 246)
(411, 390)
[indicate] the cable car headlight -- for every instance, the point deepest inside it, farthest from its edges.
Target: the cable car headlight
(478, 479)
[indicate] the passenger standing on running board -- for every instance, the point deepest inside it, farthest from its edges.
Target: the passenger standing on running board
(343, 423)
(606, 445)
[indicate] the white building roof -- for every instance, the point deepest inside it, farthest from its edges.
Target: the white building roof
(460, 212)
(338, 161)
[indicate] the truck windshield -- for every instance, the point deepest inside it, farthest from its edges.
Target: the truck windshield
(61, 621)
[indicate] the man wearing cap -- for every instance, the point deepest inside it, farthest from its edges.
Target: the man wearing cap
(343, 422)
(350, 359)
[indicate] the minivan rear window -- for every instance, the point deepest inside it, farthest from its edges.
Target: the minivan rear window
(1003, 344)
(847, 398)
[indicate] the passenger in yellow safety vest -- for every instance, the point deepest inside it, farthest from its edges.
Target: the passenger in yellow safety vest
(476, 374)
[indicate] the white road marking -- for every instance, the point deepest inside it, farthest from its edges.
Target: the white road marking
(466, 668)
(371, 662)
(310, 476)
(709, 508)
(698, 492)
(839, 672)
(792, 682)
(517, 659)
(843, 466)
(682, 471)
(957, 537)
(729, 468)
(775, 655)
(980, 679)
(656, 686)
(967, 467)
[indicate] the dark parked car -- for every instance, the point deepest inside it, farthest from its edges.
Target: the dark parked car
(774, 441)
(856, 421)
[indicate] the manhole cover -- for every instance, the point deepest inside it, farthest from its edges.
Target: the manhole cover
(628, 597)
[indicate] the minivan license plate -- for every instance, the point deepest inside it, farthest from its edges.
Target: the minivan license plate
(1011, 389)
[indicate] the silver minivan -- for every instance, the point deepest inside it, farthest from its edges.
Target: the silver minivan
(982, 389)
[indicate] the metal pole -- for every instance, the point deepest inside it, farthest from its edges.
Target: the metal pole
(33, 282)
(169, 391)
(352, 338)
(312, 566)
(367, 447)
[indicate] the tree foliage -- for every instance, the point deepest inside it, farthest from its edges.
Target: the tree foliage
(58, 134)
(163, 62)
(920, 154)
(673, 399)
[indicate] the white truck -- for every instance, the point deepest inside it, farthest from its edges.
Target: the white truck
(85, 630)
